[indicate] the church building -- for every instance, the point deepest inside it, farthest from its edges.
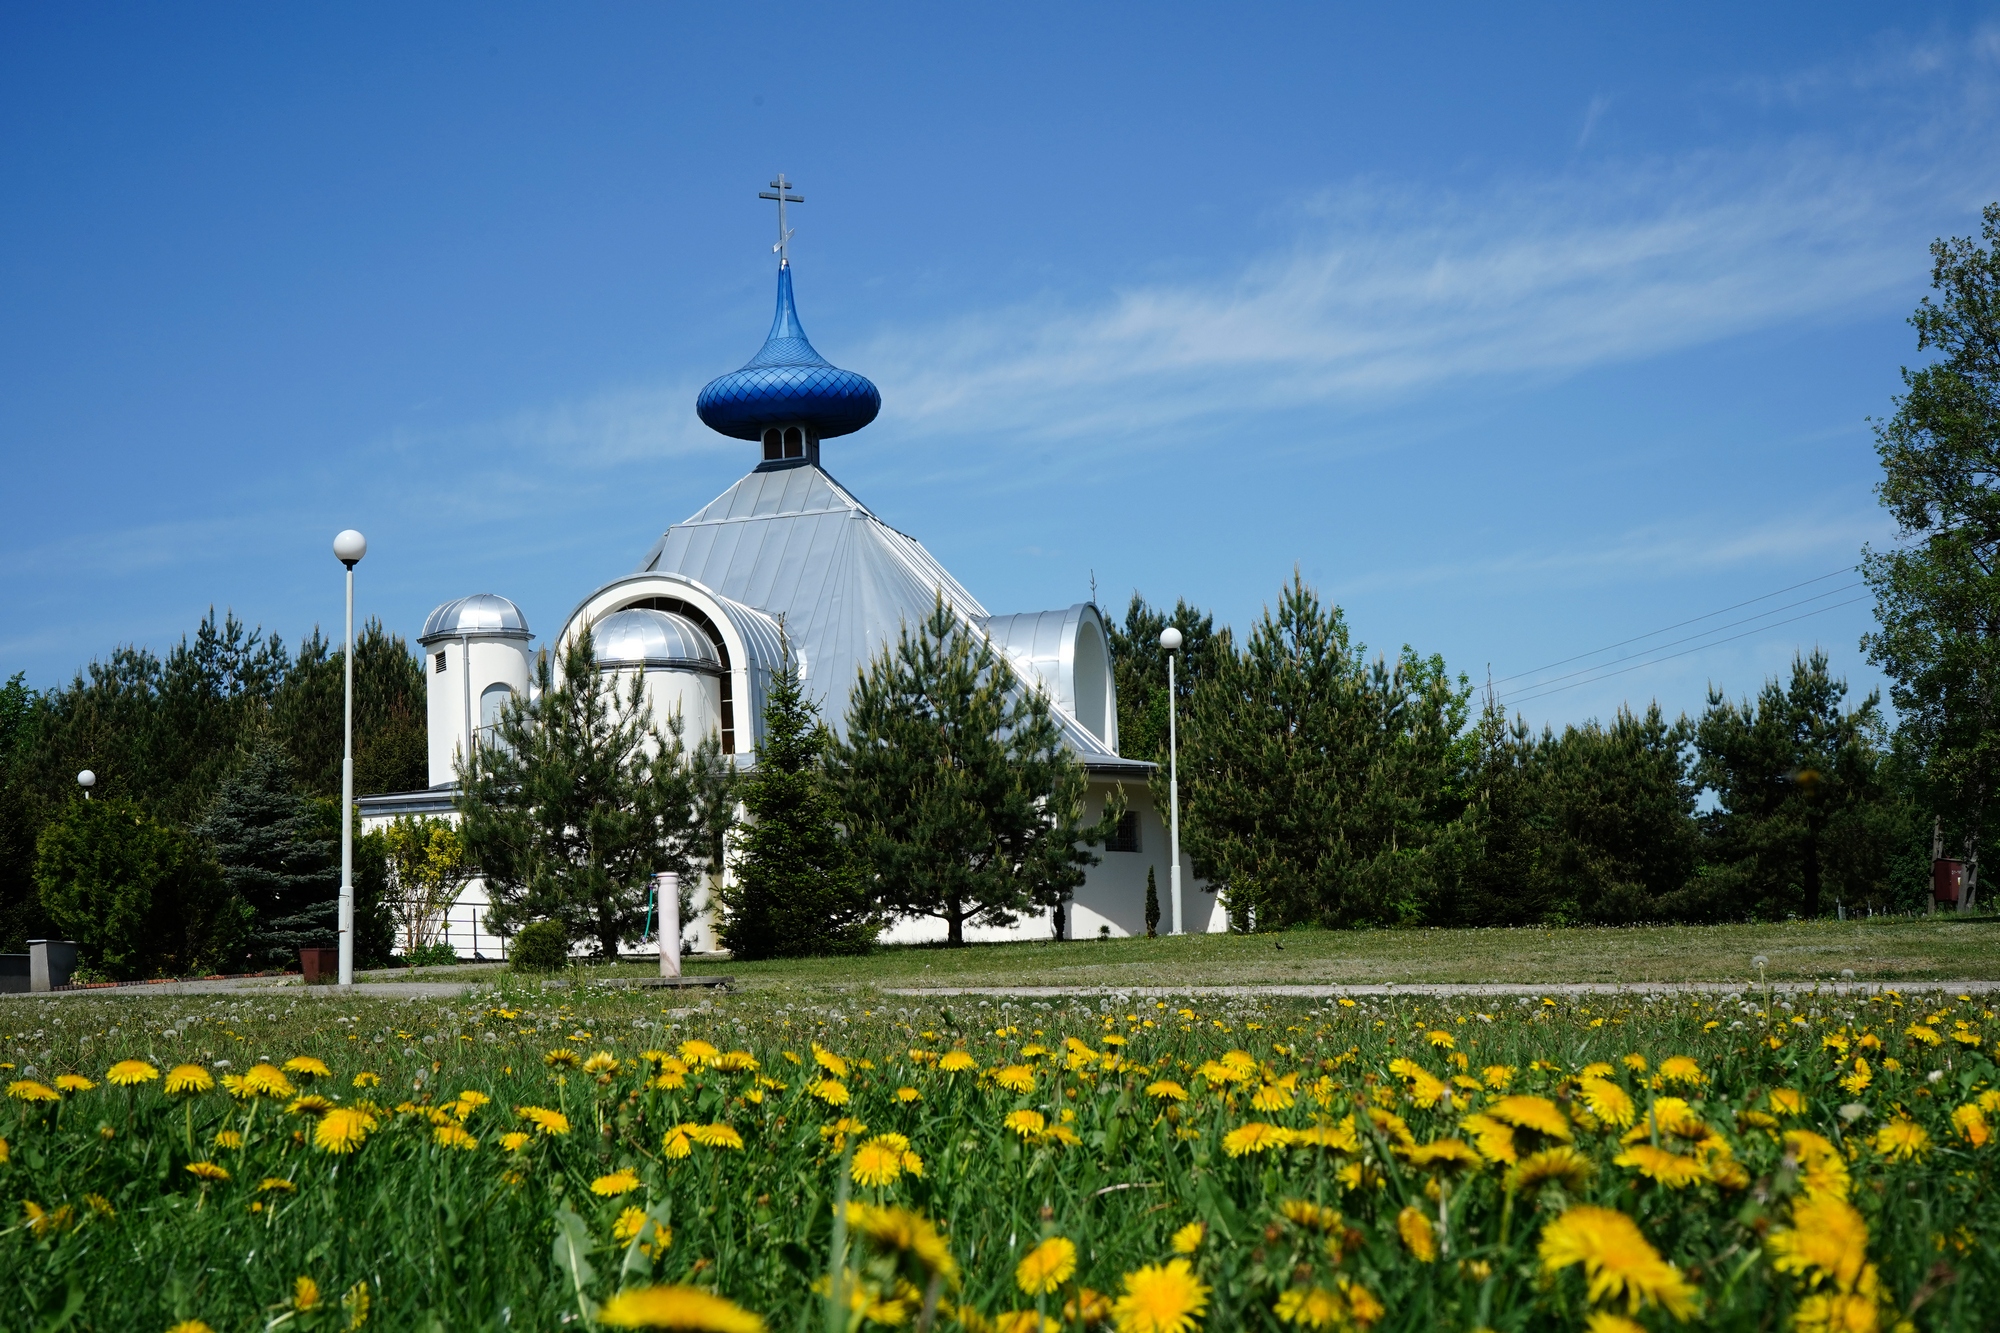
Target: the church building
(699, 617)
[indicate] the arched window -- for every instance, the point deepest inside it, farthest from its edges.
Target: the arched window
(795, 442)
(773, 444)
(493, 701)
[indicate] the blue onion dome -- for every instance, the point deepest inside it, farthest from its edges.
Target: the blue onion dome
(788, 384)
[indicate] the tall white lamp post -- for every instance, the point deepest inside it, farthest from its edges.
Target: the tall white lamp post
(348, 548)
(1170, 639)
(86, 780)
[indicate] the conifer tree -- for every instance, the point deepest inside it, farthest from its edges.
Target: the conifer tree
(956, 786)
(1152, 905)
(798, 890)
(277, 857)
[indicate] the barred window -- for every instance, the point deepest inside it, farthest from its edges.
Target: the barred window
(1126, 837)
(437, 664)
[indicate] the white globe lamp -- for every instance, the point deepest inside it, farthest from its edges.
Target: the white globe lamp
(86, 780)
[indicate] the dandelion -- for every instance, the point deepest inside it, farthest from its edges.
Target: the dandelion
(1617, 1260)
(876, 1164)
(1927, 1035)
(696, 1052)
(1857, 1082)
(1828, 1240)
(1494, 1140)
(355, 1302)
(957, 1062)
(1536, 1113)
(342, 1130)
(1255, 1136)
(737, 1062)
(1425, 1087)
(131, 1073)
(191, 1326)
(1312, 1307)
(1443, 1153)
(676, 1144)
(1788, 1101)
(1415, 1229)
(831, 1091)
(1970, 1122)
(228, 1139)
(1902, 1140)
(311, 1066)
(469, 1101)
(305, 1293)
(267, 1080)
(1607, 1101)
(906, 1095)
(100, 1207)
(560, 1058)
(1189, 1238)
(207, 1171)
(1015, 1078)
(1167, 1090)
(906, 1234)
(602, 1065)
(73, 1083)
(552, 1123)
(622, 1181)
(1087, 1308)
(277, 1184)
(1822, 1169)
(1025, 1123)
(1603, 1321)
(1441, 1039)
(1497, 1077)
(365, 1079)
(182, 1079)
(513, 1141)
(1160, 1298)
(1668, 1168)
(454, 1136)
(5, 1152)
(1273, 1097)
(1682, 1069)
(1561, 1163)
(1046, 1267)
(311, 1104)
(27, 1090)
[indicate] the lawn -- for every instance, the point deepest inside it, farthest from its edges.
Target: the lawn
(1944, 948)
(540, 1158)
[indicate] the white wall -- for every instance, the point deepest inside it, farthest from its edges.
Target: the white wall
(453, 695)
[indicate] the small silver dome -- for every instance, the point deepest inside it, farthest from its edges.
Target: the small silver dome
(484, 614)
(641, 637)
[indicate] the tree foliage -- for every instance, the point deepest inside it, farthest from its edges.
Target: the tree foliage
(797, 889)
(1937, 597)
(581, 800)
(956, 786)
(279, 854)
(427, 868)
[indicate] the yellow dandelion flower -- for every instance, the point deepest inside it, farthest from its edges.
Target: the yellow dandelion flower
(716, 1135)
(1617, 1260)
(553, 1123)
(876, 1164)
(342, 1130)
(278, 1184)
(831, 1091)
(1498, 1077)
(1342, 1137)
(1046, 1267)
(1788, 1101)
(957, 1062)
(1970, 1122)
(100, 1207)
(1160, 1298)
(676, 1144)
(696, 1052)
(1025, 1123)
(905, 1233)
(1635, 1062)
(1668, 1168)
(5, 1152)
(907, 1094)
(188, 1078)
(1667, 1115)
(1441, 1039)
(1272, 1097)
(305, 1293)
(311, 1104)
(228, 1139)
(737, 1062)
(365, 1079)
(622, 1181)
(1902, 1140)
(1189, 1238)
(562, 1057)
(309, 1065)
(454, 1136)
(27, 1090)
(267, 1080)
(73, 1083)
(513, 1141)
(131, 1073)
(1536, 1113)
(1828, 1240)
(1015, 1078)
(1312, 1307)
(1494, 1140)
(355, 1302)
(1822, 1170)
(1682, 1069)
(191, 1326)
(1857, 1082)
(1417, 1234)
(1256, 1136)
(1603, 1321)
(1608, 1102)
(207, 1171)
(1443, 1153)
(1562, 1163)
(1306, 1213)
(1087, 1308)
(1927, 1035)
(1167, 1090)
(602, 1064)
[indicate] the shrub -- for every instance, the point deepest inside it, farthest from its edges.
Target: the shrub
(435, 954)
(542, 946)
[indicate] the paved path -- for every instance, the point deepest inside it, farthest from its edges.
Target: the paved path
(263, 986)
(1432, 990)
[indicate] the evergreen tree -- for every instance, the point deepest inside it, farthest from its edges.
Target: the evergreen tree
(277, 856)
(1152, 905)
(1139, 668)
(797, 890)
(1315, 780)
(580, 801)
(956, 786)
(391, 736)
(20, 820)
(1937, 595)
(140, 897)
(1795, 775)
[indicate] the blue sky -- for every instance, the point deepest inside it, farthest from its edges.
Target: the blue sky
(1518, 331)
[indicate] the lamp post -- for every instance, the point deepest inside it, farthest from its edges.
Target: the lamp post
(1170, 639)
(86, 780)
(348, 548)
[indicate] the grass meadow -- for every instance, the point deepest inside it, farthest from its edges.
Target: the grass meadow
(798, 1158)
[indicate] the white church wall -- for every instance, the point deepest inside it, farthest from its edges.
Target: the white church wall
(457, 676)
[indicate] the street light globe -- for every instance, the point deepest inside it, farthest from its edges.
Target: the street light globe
(1170, 639)
(349, 547)
(86, 779)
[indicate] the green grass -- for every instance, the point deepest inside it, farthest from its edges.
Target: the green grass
(449, 1239)
(1943, 948)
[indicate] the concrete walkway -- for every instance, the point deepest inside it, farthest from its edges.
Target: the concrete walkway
(1430, 990)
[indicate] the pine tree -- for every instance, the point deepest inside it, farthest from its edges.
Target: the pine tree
(797, 890)
(580, 801)
(277, 857)
(1152, 905)
(956, 785)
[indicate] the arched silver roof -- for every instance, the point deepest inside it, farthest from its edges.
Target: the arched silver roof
(642, 637)
(482, 615)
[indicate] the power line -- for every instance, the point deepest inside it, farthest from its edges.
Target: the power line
(1534, 671)
(1845, 587)
(1683, 653)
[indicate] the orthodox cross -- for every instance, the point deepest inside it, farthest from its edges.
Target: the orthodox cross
(779, 191)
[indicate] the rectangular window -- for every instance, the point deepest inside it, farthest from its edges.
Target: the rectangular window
(436, 666)
(1126, 837)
